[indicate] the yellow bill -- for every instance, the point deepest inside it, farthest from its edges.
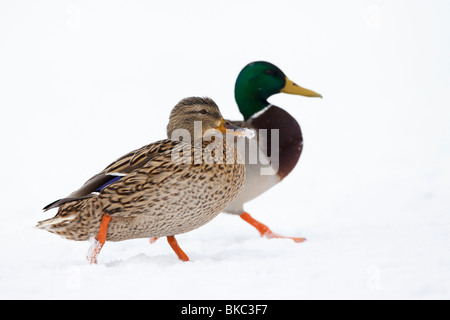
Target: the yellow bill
(229, 128)
(293, 88)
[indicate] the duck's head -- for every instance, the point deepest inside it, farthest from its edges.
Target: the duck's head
(258, 81)
(199, 116)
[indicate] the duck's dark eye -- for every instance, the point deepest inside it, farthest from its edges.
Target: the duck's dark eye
(270, 72)
(203, 111)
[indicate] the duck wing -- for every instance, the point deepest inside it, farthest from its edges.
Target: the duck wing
(120, 168)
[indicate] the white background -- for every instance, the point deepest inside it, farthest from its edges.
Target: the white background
(84, 82)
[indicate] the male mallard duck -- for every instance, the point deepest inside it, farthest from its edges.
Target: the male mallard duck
(254, 85)
(152, 191)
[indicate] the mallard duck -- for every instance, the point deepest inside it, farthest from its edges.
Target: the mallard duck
(153, 191)
(255, 84)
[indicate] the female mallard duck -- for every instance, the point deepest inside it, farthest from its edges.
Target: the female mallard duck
(152, 191)
(254, 85)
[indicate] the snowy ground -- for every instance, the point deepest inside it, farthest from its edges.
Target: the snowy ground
(82, 83)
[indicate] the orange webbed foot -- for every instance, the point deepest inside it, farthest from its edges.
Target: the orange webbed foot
(174, 244)
(265, 231)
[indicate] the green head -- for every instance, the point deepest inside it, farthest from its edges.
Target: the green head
(258, 81)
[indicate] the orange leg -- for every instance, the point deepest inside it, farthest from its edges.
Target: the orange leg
(153, 239)
(264, 230)
(100, 239)
(174, 244)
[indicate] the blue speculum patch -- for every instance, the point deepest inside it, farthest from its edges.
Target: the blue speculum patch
(112, 180)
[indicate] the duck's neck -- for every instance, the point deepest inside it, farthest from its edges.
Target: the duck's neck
(249, 102)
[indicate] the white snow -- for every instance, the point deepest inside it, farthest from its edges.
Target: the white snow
(248, 133)
(83, 82)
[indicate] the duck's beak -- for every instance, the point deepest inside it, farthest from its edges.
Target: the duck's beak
(229, 128)
(294, 88)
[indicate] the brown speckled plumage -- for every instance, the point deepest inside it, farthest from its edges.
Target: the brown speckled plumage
(157, 195)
